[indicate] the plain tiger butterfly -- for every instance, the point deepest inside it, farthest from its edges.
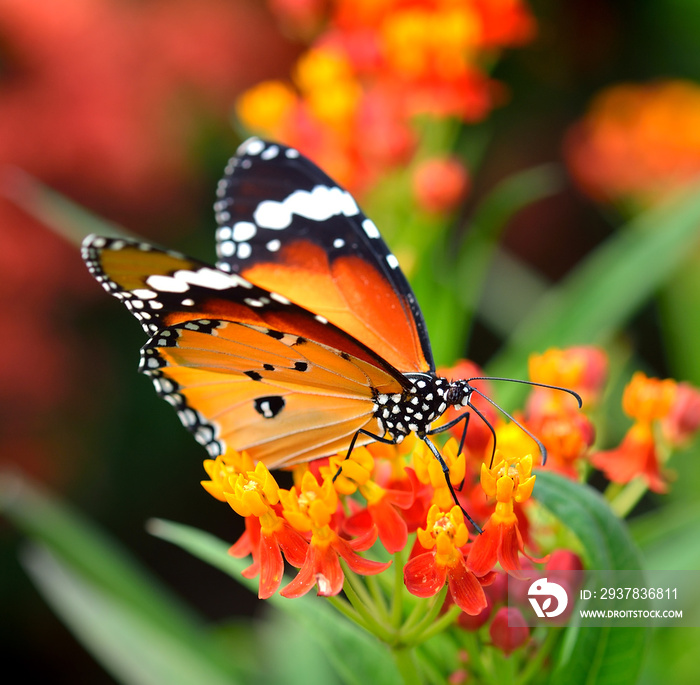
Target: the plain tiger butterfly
(303, 341)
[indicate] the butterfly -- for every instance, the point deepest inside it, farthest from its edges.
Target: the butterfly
(303, 341)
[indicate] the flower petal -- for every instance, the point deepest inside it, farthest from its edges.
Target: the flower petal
(271, 567)
(484, 551)
(393, 531)
(466, 590)
(358, 564)
(422, 576)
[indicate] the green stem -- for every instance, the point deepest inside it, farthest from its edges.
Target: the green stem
(416, 615)
(374, 624)
(444, 622)
(378, 597)
(406, 663)
(397, 597)
(358, 586)
(415, 634)
(534, 664)
(344, 608)
(623, 499)
(474, 648)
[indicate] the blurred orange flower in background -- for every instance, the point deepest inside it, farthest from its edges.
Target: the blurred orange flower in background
(374, 67)
(637, 142)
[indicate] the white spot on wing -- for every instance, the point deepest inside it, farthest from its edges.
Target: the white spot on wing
(319, 204)
(244, 230)
(252, 146)
(227, 248)
(270, 153)
(370, 229)
(205, 277)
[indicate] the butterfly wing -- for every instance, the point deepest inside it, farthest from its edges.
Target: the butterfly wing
(243, 366)
(285, 225)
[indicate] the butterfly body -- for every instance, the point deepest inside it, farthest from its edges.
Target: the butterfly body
(304, 340)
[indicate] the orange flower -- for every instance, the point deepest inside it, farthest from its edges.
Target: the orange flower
(253, 495)
(429, 471)
(637, 142)
(635, 457)
(566, 437)
(267, 108)
(310, 509)
(581, 369)
(509, 481)
(380, 511)
(444, 535)
(646, 400)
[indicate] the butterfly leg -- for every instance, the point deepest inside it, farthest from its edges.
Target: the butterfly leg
(446, 472)
(451, 424)
(362, 431)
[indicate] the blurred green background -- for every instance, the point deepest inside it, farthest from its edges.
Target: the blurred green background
(125, 107)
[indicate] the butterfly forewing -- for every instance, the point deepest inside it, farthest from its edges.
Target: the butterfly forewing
(285, 225)
(242, 365)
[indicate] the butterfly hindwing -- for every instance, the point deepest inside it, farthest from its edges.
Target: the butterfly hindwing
(285, 225)
(281, 399)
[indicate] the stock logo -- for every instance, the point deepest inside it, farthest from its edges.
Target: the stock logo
(540, 595)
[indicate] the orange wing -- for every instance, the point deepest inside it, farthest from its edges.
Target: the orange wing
(286, 226)
(253, 389)
(243, 366)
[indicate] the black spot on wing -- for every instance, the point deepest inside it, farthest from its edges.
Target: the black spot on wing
(269, 406)
(253, 375)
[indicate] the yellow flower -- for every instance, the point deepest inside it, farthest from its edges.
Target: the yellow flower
(446, 532)
(354, 471)
(254, 492)
(508, 481)
(222, 469)
(266, 107)
(310, 507)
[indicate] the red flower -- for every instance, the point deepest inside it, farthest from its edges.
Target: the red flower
(509, 630)
(322, 566)
(501, 540)
(426, 573)
(636, 456)
(683, 419)
(266, 548)
(311, 508)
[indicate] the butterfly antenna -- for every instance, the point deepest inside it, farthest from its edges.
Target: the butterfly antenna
(488, 423)
(523, 382)
(541, 447)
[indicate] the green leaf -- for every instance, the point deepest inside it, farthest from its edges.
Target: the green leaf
(132, 647)
(605, 290)
(62, 215)
(604, 656)
(106, 584)
(357, 657)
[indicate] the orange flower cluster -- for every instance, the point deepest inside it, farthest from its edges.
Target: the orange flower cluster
(338, 507)
(374, 67)
(399, 494)
(637, 143)
(672, 407)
